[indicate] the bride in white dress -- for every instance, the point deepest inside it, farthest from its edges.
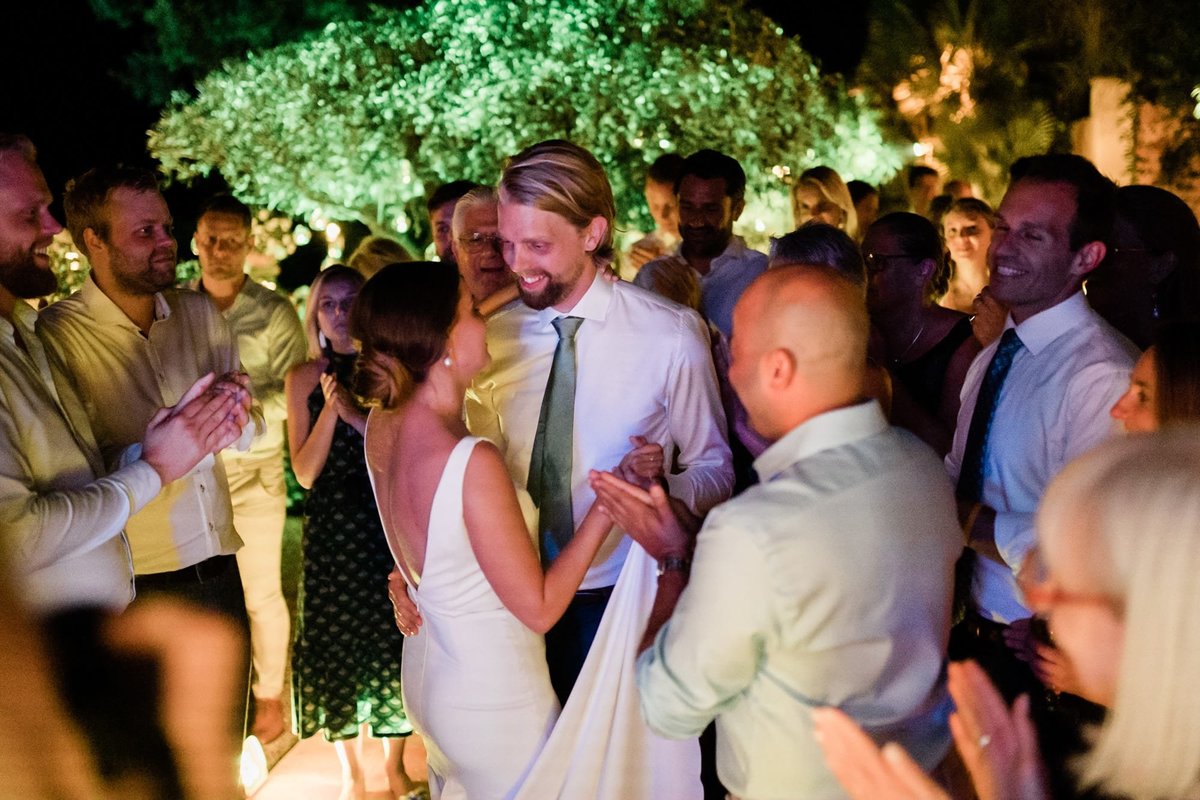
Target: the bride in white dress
(475, 681)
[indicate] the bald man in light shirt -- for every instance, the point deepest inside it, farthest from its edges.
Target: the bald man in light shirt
(828, 584)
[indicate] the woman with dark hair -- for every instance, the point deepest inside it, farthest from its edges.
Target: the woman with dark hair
(926, 347)
(476, 684)
(346, 653)
(1151, 271)
(1164, 387)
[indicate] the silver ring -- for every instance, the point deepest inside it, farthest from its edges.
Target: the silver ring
(984, 741)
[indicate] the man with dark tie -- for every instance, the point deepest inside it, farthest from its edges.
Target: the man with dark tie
(1032, 401)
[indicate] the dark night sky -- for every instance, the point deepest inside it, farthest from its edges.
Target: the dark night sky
(60, 90)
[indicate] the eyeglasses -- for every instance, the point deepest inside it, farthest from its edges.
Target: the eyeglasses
(1042, 593)
(481, 242)
(877, 262)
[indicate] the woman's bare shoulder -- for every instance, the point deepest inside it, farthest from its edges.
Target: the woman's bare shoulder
(306, 372)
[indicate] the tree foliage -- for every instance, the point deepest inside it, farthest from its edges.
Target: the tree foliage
(362, 120)
(992, 81)
(985, 82)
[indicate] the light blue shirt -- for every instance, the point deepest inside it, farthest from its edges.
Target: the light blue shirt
(270, 341)
(1052, 408)
(829, 584)
(727, 277)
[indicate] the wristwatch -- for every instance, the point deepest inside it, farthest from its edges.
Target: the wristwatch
(673, 564)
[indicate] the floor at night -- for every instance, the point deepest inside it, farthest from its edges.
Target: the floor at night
(309, 769)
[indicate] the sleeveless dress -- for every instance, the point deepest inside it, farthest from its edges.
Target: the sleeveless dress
(925, 376)
(346, 652)
(476, 685)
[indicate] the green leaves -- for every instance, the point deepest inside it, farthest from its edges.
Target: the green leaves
(363, 119)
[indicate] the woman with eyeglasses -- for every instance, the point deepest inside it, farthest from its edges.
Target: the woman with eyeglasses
(927, 348)
(1114, 574)
(346, 653)
(1151, 270)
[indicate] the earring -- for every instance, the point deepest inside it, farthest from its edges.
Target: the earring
(321, 340)
(447, 361)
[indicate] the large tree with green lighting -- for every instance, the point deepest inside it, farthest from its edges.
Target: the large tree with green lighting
(361, 120)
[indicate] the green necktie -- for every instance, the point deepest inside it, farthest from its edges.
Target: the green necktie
(549, 481)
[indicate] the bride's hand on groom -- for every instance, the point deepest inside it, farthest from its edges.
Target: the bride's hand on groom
(408, 619)
(646, 514)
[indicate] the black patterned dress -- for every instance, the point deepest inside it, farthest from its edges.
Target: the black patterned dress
(346, 655)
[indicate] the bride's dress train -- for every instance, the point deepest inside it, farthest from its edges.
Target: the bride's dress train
(476, 686)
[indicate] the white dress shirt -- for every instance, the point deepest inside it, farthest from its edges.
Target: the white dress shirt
(270, 341)
(1053, 407)
(643, 368)
(124, 378)
(828, 584)
(60, 522)
(728, 276)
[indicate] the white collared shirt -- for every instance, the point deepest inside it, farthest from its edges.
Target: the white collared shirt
(829, 583)
(1053, 407)
(643, 368)
(60, 522)
(270, 341)
(727, 277)
(124, 378)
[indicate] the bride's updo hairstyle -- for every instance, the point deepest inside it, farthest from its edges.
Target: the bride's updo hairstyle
(401, 318)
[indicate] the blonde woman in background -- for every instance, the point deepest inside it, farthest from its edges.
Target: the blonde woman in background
(376, 252)
(820, 195)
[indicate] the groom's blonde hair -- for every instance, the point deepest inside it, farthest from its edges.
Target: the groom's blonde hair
(565, 179)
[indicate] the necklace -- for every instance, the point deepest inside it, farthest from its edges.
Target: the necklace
(898, 359)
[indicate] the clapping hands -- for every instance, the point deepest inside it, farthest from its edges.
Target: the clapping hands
(208, 418)
(997, 743)
(343, 402)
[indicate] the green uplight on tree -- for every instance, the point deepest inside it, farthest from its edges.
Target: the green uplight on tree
(362, 120)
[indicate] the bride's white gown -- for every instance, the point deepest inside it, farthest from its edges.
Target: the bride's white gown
(477, 689)
(474, 678)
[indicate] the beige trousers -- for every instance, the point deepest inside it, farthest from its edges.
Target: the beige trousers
(259, 496)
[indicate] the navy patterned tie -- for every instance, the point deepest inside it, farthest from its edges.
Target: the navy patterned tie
(970, 477)
(549, 481)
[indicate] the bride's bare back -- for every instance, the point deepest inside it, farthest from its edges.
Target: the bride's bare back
(407, 450)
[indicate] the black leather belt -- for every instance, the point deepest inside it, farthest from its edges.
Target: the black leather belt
(206, 570)
(593, 595)
(985, 630)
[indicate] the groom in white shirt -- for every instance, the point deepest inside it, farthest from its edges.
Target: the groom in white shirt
(581, 370)
(640, 365)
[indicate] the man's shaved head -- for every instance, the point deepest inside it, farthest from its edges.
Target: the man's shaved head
(799, 346)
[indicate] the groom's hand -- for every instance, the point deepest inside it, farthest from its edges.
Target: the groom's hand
(408, 619)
